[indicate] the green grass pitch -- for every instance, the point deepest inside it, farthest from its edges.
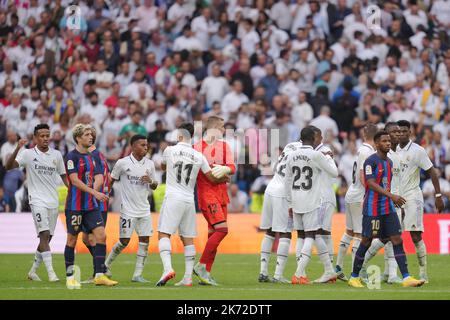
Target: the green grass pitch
(237, 275)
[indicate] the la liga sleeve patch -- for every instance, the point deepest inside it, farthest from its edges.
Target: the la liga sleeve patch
(368, 170)
(70, 165)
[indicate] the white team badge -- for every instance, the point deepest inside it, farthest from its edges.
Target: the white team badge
(368, 170)
(70, 165)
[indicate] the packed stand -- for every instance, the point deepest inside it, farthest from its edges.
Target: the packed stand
(147, 66)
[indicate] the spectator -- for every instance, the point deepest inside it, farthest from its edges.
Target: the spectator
(238, 199)
(4, 206)
(324, 122)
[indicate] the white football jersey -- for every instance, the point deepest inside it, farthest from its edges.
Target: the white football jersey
(302, 181)
(182, 165)
(356, 191)
(275, 188)
(412, 158)
(395, 182)
(326, 180)
(44, 170)
(128, 171)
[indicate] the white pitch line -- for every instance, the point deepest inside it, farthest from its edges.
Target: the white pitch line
(241, 289)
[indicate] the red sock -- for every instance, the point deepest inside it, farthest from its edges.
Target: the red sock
(213, 255)
(209, 253)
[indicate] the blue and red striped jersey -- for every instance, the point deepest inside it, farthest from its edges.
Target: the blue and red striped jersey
(85, 166)
(100, 160)
(380, 170)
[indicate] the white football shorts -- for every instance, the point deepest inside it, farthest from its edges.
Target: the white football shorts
(142, 225)
(275, 215)
(353, 216)
(413, 220)
(177, 214)
(45, 219)
(326, 211)
(308, 221)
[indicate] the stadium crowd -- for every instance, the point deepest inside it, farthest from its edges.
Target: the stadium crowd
(144, 67)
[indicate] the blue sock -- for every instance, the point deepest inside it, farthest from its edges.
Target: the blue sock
(92, 251)
(359, 260)
(99, 257)
(69, 258)
(400, 257)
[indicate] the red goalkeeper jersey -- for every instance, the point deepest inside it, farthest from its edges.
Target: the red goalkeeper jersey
(217, 153)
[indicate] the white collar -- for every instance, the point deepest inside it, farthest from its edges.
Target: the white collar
(406, 148)
(134, 160)
(368, 145)
(39, 152)
(184, 144)
(306, 147)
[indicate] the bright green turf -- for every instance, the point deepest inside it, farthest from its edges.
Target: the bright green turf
(237, 275)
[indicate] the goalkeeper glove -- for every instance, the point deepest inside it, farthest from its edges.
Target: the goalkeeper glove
(220, 171)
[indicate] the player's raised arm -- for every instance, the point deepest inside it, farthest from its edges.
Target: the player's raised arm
(206, 169)
(12, 163)
(327, 164)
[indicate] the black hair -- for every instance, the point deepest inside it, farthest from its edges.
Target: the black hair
(186, 129)
(390, 124)
(404, 123)
(307, 134)
(315, 129)
(379, 134)
(137, 137)
(39, 127)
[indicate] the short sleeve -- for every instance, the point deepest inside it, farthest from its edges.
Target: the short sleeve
(21, 158)
(98, 168)
(72, 163)
(361, 159)
(423, 161)
(117, 170)
(166, 155)
(205, 165)
(60, 164)
(370, 169)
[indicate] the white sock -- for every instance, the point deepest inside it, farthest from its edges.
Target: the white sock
(343, 246)
(322, 252)
(282, 256)
(189, 259)
(116, 250)
(372, 251)
(304, 258)
(329, 242)
(266, 248)
(392, 263)
(37, 262)
(141, 256)
(356, 242)
(165, 250)
(47, 258)
(421, 252)
(298, 248)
